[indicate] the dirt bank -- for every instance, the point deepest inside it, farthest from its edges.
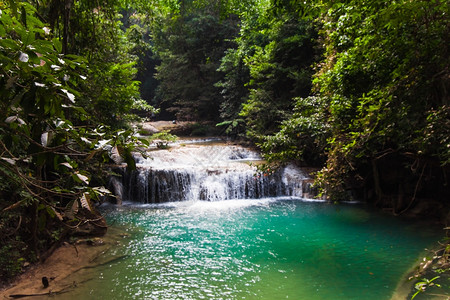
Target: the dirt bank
(63, 267)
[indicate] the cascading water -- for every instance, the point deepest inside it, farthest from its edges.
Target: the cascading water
(210, 173)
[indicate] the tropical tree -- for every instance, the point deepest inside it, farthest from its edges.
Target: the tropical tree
(51, 149)
(96, 31)
(381, 102)
(271, 65)
(385, 78)
(190, 46)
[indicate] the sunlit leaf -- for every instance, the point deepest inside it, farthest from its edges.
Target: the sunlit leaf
(66, 164)
(12, 119)
(102, 143)
(23, 57)
(82, 177)
(69, 95)
(9, 160)
(45, 139)
(85, 201)
(101, 190)
(86, 140)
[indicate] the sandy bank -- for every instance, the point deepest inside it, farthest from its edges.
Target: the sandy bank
(64, 267)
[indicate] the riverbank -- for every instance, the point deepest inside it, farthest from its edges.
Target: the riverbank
(431, 272)
(65, 268)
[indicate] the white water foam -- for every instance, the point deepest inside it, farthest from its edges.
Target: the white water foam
(211, 173)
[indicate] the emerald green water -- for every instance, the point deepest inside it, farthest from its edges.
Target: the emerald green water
(257, 249)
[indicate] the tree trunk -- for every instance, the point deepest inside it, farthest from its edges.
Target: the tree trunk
(376, 182)
(66, 20)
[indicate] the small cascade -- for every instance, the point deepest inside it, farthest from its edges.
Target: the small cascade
(209, 173)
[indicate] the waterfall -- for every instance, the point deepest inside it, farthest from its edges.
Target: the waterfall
(209, 173)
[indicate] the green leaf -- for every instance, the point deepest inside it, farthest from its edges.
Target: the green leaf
(2, 30)
(51, 212)
(144, 141)
(9, 44)
(128, 157)
(58, 45)
(42, 46)
(13, 5)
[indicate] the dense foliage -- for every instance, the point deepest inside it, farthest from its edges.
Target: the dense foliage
(57, 97)
(385, 79)
(190, 44)
(358, 89)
